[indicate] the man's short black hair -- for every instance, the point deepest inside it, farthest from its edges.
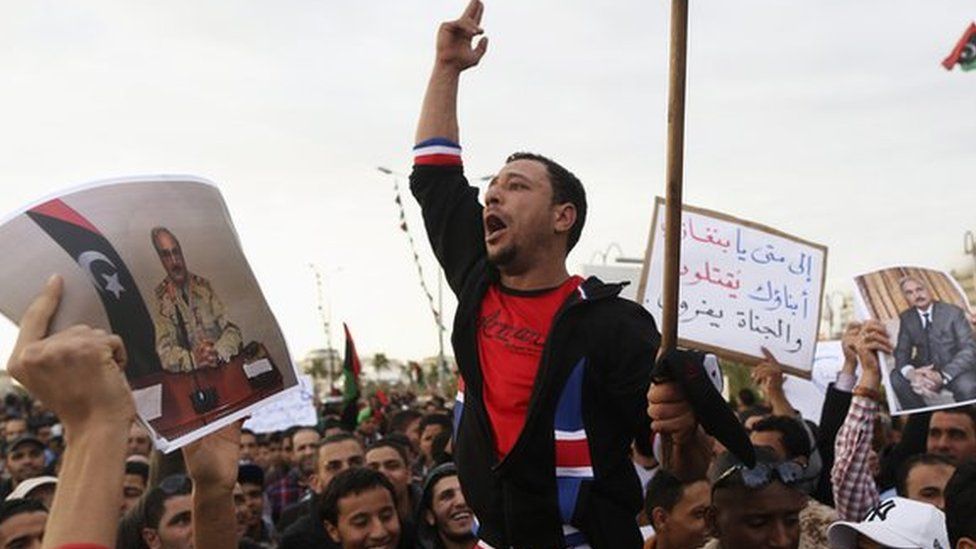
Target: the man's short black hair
(249, 432)
(960, 503)
(664, 490)
(436, 419)
(296, 430)
(901, 478)
(350, 482)
(249, 473)
(969, 410)
(339, 437)
(795, 438)
(400, 420)
(137, 468)
(14, 507)
(566, 187)
(157, 496)
(387, 443)
(444, 470)
(400, 439)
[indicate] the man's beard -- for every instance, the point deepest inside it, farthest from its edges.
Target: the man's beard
(306, 466)
(503, 257)
(458, 538)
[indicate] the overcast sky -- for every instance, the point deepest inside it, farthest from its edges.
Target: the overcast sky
(831, 120)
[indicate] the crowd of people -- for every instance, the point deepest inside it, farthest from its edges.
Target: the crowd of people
(557, 437)
(856, 478)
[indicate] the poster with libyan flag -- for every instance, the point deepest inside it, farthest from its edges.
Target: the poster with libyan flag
(964, 54)
(157, 261)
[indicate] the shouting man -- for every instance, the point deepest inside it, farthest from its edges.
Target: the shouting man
(555, 368)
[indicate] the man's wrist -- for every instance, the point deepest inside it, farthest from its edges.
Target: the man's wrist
(96, 429)
(212, 490)
(445, 70)
(869, 381)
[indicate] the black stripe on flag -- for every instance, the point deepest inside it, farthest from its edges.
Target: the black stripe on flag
(126, 311)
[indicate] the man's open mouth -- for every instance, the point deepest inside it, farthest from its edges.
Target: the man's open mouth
(493, 225)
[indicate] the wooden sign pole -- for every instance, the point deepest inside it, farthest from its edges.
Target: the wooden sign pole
(672, 205)
(675, 173)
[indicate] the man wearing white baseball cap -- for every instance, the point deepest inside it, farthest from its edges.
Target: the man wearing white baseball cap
(895, 522)
(37, 488)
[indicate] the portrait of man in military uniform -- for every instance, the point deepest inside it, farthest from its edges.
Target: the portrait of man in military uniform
(192, 330)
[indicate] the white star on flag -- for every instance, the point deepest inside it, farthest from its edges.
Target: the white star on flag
(112, 284)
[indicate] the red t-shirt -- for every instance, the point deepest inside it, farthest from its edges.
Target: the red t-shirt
(512, 330)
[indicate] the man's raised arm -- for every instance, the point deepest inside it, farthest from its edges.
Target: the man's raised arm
(455, 53)
(452, 213)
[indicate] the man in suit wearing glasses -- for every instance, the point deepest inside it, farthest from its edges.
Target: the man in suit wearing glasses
(935, 356)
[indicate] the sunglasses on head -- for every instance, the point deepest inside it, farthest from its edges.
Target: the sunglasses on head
(788, 473)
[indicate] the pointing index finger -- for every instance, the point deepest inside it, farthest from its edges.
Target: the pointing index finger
(37, 318)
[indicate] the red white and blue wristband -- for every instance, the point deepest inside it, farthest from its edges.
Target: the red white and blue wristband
(437, 151)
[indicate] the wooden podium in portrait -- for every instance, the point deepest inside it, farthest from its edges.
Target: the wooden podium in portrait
(244, 380)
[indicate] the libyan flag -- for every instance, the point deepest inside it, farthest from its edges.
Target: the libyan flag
(350, 370)
(95, 255)
(965, 51)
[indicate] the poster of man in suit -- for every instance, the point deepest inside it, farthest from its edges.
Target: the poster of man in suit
(929, 320)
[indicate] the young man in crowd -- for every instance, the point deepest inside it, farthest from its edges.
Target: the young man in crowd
(242, 514)
(168, 513)
(24, 459)
(298, 524)
(358, 511)
(677, 511)
(790, 441)
(39, 489)
(390, 458)
(407, 422)
(894, 522)
(14, 428)
(134, 483)
(758, 507)
(297, 483)
(138, 443)
(952, 433)
(519, 314)
(259, 527)
(960, 509)
(430, 427)
(249, 446)
(22, 523)
(446, 521)
(924, 477)
(278, 461)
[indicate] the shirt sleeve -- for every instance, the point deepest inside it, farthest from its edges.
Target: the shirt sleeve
(855, 492)
(451, 210)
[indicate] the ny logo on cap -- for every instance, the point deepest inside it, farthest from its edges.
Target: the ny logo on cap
(881, 511)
